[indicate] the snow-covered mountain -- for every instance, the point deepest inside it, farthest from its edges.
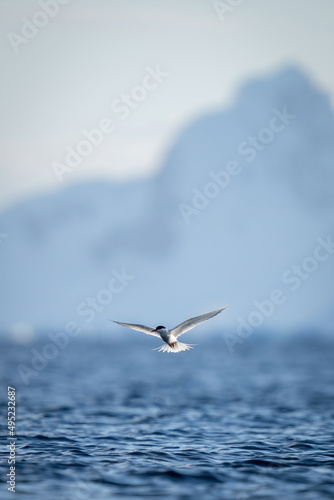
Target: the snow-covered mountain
(243, 206)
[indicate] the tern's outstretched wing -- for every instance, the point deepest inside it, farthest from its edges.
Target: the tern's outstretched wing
(192, 322)
(140, 328)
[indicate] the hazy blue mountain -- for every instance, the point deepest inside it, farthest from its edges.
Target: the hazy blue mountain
(194, 237)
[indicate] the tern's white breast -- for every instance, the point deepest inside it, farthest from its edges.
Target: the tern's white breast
(165, 335)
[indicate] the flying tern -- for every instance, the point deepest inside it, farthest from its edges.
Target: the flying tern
(170, 336)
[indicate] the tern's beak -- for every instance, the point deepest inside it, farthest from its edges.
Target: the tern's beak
(154, 330)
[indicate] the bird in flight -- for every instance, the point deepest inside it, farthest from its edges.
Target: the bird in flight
(170, 336)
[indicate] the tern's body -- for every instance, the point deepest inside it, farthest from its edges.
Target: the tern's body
(170, 337)
(166, 335)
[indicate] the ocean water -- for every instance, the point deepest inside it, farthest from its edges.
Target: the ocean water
(107, 419)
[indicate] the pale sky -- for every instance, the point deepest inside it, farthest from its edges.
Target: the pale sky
(63, 76)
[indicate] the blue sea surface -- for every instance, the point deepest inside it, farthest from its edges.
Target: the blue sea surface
(109, 419)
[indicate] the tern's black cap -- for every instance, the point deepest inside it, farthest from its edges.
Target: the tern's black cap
(159, 327)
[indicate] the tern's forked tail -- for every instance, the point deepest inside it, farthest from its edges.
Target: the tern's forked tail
(177, 347)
